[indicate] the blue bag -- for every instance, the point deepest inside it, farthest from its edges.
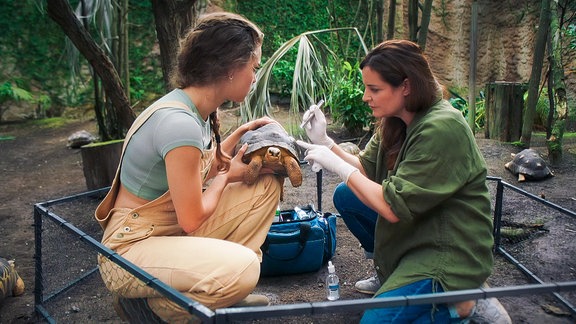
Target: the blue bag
(297, 244)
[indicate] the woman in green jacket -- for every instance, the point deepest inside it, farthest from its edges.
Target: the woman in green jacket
(416, 197)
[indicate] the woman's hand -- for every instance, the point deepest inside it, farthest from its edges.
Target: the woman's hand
(229, 144)
(316, 127)
(321, 157)
(237, 167)
(257, 123)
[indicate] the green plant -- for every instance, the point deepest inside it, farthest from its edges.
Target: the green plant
(282, 77)
(542, 108)
(10, 93)
(570, 34)
(346, 100)
(461, 104)
(283, 20)
(314, 74)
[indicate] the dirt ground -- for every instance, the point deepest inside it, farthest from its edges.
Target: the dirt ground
(36, 166)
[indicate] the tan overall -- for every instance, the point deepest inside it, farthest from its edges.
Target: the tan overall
(217, 265)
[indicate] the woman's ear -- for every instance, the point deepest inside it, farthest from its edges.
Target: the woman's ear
(406, 87)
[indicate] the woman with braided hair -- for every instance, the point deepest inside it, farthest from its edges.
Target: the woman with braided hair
(177, 208)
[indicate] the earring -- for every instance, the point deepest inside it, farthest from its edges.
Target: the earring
(230, 77)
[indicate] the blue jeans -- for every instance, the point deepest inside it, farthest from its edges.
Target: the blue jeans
(359, 218)
(361, 221)
(420, 314)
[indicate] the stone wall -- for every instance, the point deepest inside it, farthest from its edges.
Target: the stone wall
(506, 38)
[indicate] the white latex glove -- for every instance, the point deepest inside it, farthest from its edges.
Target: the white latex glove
(321, 157)
(316, 127)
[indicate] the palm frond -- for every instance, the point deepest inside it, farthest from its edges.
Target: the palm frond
(313, 74)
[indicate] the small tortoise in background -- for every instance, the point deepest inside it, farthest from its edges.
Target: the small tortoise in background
(528, 165)
(80, 138)
(271, 147)
(10, 282)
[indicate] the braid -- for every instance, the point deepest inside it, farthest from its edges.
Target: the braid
(222, 158)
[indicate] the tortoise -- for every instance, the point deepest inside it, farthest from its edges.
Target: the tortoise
(80, 138)
(10, 282)
(271, 147)
(528, 165)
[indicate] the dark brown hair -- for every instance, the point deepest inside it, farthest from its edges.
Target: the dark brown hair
(396, 61)
(219, 43)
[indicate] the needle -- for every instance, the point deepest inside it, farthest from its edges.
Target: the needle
(312, 110)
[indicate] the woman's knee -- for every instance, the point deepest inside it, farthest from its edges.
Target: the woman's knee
(242, 281)
(341, 195)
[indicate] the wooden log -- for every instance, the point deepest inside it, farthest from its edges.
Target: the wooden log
(99, 162)
(504, 110)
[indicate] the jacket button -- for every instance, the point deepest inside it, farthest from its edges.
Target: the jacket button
(119, 235)
(126, 229)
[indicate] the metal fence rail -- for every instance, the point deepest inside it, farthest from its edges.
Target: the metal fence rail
(499, 217)
(65, 234)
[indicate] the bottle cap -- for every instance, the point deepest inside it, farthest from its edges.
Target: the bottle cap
(330, 267)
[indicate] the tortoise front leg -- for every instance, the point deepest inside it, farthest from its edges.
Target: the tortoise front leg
(253, 170)
(293, 170)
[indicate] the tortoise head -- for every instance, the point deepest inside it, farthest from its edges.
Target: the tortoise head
(273, 154)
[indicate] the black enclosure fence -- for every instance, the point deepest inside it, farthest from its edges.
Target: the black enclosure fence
(68, 287)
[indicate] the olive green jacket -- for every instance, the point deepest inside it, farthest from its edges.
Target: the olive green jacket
(438, 191)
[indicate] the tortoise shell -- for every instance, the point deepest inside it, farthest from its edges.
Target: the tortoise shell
(268, 135)
(528, 165)
(80, 138)
(11, 284)
(270, 146)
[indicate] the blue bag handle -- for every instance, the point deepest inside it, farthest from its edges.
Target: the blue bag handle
(302, 239)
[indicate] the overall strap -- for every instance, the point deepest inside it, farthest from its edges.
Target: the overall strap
(103, 209)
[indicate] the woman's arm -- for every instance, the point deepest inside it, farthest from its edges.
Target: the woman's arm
(371, 194)
(193, 207)
(349, 158)
(185, 184)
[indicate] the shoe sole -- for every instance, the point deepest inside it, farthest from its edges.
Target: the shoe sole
(367, 292)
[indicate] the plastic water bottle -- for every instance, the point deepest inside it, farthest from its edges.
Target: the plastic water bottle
(301, 213)
(332, 283)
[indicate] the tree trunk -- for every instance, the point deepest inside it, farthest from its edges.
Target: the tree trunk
(61, 12)
(418, 27)
(413, 20)
(473, 63)
(424, 23)
(535, 75)
(504, 103)
(123, 45)
(554, 142)
(379, 21)
(173, 18)
(391, 20)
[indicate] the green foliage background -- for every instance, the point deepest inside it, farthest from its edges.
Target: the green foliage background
(282, 20)
(35, 58)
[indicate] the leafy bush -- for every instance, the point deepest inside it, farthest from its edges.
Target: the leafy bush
(10, 93)
(346, 100)
(281, 21)
(314, 77)
(542, 108)
(461, 104)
